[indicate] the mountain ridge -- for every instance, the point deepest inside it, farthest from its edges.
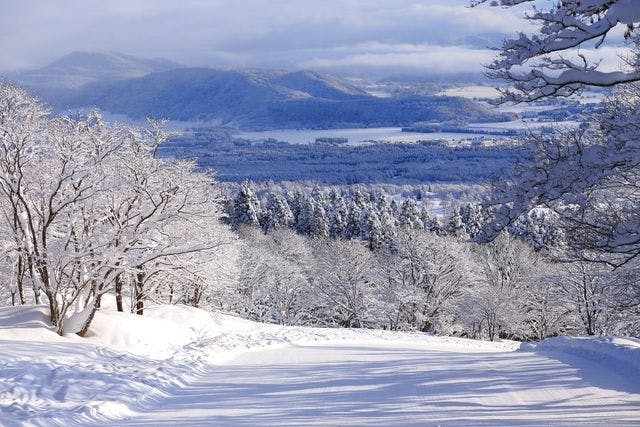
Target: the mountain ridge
(248, 99)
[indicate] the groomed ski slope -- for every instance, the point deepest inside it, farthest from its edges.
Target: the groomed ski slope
(179, 366)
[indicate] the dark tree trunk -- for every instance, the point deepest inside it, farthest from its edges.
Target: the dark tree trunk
(36, 291)
(139, 297)
(20, 280)
(119, 294)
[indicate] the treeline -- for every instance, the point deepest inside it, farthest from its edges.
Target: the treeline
(425, 282)
(352, 259)
(373, 216)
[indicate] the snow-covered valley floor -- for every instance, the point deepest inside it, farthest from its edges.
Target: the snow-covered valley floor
(184, 367)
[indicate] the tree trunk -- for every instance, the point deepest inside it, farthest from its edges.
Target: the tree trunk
(139, 295)
(85, 328)
(119, 293)
(36, 290)
(196, 296)
(20, 280)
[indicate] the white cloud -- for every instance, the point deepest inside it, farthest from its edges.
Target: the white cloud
(283, 33)
(425, 58)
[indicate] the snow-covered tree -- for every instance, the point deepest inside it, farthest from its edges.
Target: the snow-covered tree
(590, 175)
(274, 282)
(277, 213)
(496, 305)
(344, 281)
(246, 207)
(89, 205)
(602, 300)
(422, 274)
(359, 202)
(409, 215)
(456, 225)
(552, 61)
(371, 230)
(319, 226)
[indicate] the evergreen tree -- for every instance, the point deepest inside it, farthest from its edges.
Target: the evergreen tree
(456, 226)
(306, 208)
(409, 216)
(473, 218)
(359, 201)
(338, 218)
(277, 213)
(430, 222)
(319, 223)
(246, 207)
(371, 229)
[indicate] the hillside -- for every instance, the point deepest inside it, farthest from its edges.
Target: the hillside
(247, 99)
(179, 365)
(263, 100)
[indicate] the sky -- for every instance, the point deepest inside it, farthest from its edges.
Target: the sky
(435, 35)
(376, 36)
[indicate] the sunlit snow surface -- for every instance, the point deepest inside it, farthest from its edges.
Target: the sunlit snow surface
(189, 368)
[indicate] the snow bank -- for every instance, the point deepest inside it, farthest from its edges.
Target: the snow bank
(126, 362)
(619, 354)
(159, 334)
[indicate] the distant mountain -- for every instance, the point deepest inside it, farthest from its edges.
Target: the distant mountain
(80, 68)
(248, 99)
(263, 100)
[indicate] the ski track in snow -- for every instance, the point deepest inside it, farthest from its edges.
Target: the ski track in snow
(236, 372)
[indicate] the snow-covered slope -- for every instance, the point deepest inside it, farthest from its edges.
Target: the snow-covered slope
(181, 365)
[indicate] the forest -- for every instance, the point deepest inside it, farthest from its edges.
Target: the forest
(235, 160)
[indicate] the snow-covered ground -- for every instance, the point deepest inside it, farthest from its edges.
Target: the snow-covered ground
(183, 366)
(355, 136)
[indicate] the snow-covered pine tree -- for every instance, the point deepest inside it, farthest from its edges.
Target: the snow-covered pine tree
(371, 230)
(456, 226)
(246, 207)
(409, 215)
(358, 202)
(277, 213)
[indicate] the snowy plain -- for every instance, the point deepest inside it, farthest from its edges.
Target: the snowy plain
(184, 366)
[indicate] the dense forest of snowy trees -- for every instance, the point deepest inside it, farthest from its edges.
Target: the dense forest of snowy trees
(359, 258)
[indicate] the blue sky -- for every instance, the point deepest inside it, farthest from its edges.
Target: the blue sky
(435, 35)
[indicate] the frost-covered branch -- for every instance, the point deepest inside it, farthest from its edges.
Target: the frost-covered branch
(538, 66)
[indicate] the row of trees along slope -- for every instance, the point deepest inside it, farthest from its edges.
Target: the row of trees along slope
(86, 207)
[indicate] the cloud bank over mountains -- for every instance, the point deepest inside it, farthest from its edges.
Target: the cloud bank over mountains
(442, 36)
